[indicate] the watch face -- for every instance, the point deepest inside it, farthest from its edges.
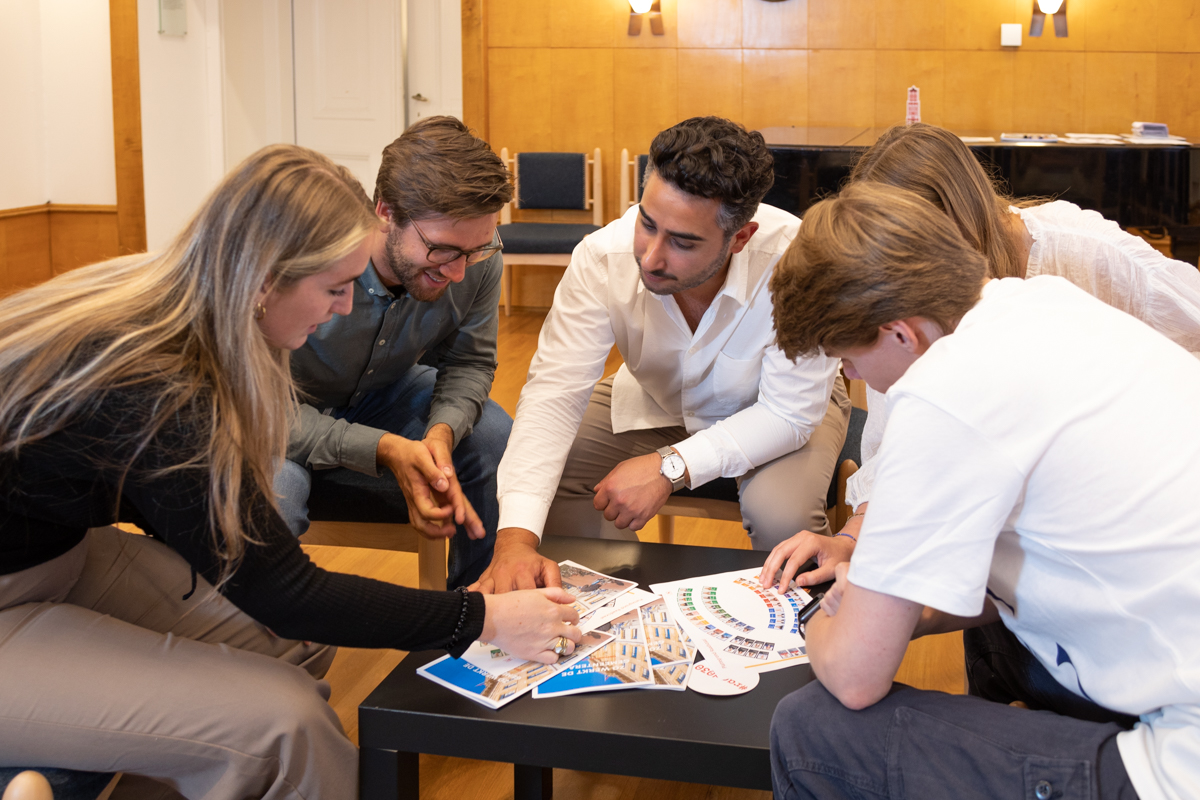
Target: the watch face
(673, 466)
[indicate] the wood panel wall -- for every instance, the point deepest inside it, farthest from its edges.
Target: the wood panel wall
(565, 75)
(39, 242)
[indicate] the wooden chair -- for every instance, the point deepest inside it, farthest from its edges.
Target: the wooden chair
(431, 553)
(554, 181)
(633, 172)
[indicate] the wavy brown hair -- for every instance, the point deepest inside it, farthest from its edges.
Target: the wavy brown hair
(935, 164)
(871, 255)
(177, 328)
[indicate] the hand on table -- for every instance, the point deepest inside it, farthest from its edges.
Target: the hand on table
(790, 555)
(516, 564)
(528, 624)
(633, 492)
(434, 497)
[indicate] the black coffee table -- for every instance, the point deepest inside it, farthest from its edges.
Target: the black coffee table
(677, 736)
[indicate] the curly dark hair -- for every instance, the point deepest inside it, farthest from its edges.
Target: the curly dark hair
(716, 158)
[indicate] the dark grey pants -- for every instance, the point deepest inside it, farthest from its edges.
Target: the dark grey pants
(929, 745)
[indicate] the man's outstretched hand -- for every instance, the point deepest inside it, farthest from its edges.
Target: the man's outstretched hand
(516, 564)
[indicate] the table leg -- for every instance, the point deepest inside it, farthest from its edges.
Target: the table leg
(388, 775)
(532, 783)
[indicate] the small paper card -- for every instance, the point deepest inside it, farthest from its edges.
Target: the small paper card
(591, 589)
(491, 677)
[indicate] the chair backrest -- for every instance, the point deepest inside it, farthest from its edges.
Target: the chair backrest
(556, 181)
(633, 173)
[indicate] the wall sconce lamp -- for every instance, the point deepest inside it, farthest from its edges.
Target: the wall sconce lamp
(639, 9)
(1056, 9)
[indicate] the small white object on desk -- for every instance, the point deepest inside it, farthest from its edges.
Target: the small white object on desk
(1010, 34)
(1030, 138)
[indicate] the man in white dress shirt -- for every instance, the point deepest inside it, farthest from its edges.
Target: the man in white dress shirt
(680, 285)
(1021, 486)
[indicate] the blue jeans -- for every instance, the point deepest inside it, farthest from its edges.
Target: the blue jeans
(347, 496)
(930, 745)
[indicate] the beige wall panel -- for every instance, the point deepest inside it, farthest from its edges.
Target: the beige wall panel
(583, 23)
(81, 238)
(710, 23)
(1121, 88)
(975, 24)
(582, 101)
(1050, 92)
(646, 39)
(841, 87)
(1077, 27)
(24, 251)
(520, 116)
(774, 88)
(519, 23)
(841, 24)
(895, 71)
(1178, 90)
(646, 97)
(910, 24)
(1179, 26)
(710, 82)
(979, 91)
(1122, 25)
(783, 25)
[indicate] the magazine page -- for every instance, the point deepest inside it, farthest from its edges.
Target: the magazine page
(591, 589)
(623, 663)
(671, 649)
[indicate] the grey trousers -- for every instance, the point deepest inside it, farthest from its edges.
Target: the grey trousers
(777, 500)
(105, 668)
(929, 745)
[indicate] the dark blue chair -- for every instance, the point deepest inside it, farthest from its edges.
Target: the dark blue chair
(555, 181)
(633, 175)
(66, 784)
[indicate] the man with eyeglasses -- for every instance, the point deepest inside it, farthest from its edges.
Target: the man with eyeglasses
(396, 423)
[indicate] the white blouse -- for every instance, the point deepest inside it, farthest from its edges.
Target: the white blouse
(1097, 256)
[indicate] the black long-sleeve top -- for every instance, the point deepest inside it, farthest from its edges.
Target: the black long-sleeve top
(56, 488)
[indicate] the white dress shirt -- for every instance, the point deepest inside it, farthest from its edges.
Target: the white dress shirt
(742, 402)
(1106, 262)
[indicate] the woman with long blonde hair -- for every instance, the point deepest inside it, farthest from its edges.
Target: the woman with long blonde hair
(154, 389)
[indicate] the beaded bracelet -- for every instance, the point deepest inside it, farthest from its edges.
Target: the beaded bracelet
(848, 536)
(462, 616)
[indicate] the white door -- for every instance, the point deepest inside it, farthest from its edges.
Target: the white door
(434, 58)
(349, 71)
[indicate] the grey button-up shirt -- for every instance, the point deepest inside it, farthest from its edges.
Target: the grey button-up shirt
(374, 345)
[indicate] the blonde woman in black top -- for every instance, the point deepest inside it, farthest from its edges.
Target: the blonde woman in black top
(155, 389)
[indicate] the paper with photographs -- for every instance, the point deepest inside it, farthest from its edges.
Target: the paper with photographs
(591, 589)
(491, 677)
(615, 608)
(648, 651)
(737, 623)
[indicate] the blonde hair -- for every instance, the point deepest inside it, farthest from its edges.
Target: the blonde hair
(935, 164)
(871, 255)
(179, 325)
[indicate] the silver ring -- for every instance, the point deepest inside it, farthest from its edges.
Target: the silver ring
(560, 647)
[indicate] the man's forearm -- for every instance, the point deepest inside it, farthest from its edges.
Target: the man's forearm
(933, 621)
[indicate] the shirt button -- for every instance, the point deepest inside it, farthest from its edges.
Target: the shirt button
(691, 413)
(1043, 790)
(382, 342)
(370, 291)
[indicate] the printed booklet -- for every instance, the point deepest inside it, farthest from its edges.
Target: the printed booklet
(648, 651)
(591, 589)
(491, 677)
(737, 623)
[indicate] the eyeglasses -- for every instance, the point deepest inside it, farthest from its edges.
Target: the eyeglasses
(444, 253)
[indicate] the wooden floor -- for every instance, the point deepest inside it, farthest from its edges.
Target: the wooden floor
(932, 663)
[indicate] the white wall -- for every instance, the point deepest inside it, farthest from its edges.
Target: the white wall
(22, 158)
(257, 88)
(78, 110)
(182, 136)
(56, 140)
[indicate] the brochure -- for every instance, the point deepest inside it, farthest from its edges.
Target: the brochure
(622, 663)
(591, 589)
(491, 677)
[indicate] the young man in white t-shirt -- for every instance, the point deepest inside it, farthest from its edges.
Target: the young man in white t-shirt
(1039, 468)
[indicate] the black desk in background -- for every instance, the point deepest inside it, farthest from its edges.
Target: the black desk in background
(1143, 186)
(679, 736)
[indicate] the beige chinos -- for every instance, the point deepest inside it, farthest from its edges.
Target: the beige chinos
(777, 499)
(105, 667)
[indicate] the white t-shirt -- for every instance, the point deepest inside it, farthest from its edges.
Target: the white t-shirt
(1106, 262)
(742, 402)
(1038, 456)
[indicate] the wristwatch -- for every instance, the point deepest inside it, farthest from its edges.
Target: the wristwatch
(673, 467)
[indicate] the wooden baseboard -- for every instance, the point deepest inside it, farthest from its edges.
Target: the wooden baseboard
(39, 242)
